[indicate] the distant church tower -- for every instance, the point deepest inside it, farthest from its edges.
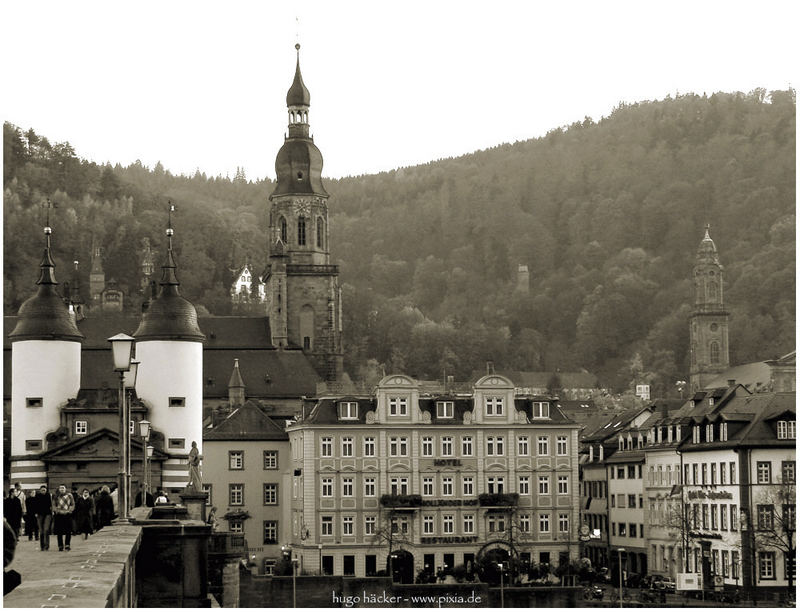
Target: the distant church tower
(708, 332)
(45, 371)
(97, 277)
(302, 287)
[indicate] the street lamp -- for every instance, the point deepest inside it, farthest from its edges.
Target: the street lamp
(144, 432)
(129, 383)
(147, 466)
(502, 594)
(121, 353)
(320, 559)
(620, 551)
(392, 557)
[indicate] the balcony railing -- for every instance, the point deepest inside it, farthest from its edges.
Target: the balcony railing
(498, 499)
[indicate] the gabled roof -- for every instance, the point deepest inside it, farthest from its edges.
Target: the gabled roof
(614, 424)
(247, 422)
(71, 450)
(266, 373)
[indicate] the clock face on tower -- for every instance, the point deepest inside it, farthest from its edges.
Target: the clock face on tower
(302, 206)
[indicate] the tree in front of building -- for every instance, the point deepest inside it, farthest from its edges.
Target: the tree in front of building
(775, 526)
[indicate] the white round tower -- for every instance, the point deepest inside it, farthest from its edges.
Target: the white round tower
(45, 373)
(169, 348)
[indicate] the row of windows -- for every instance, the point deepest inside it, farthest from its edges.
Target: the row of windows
(713, 516)
(707, 473)
(787, 430)
(270, 529)
(627, 530)
(769, 520)
(447, 524)
(236, 494)
(399, 486)
(236, 460)
(399, 446)
(632, 471)
(301, 231)
(626, 501)
(38, 402)
(398, 407)
(594, 488)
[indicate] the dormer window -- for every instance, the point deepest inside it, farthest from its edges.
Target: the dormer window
(541, 410)
(710, 402)
(640, 441)
(787, 430)
(677, 433)
(494, 406)
(696, 434)
(444, 410)
(81, 427)
(398, 406)
(710, 432)
(659, 434)
(669, 433)
(723, 432)
(621, 443)
(348, 410)
(630, 442)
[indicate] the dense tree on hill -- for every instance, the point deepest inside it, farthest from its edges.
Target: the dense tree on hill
(606, 215)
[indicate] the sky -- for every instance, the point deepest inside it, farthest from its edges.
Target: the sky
(202, 85)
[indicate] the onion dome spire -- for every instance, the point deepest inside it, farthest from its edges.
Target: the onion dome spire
(169, 316)
(298, 94)
(45, 316)
(298, 165)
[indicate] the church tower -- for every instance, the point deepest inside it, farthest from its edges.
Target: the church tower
(708, 332)
(45, 371)
(169, 348)
(302, 286)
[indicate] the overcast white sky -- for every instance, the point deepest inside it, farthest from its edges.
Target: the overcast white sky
(199, 84)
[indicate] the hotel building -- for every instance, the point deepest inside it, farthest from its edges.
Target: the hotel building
(426, 481)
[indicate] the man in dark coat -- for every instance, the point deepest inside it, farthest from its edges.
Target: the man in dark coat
(104, 508)
(12, 511)
(84, 514)
(42, 505)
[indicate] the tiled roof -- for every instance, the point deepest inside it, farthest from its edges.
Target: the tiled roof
(247, 422)
(569, 380)
(613, 425)
(754, 376)
(325, 411)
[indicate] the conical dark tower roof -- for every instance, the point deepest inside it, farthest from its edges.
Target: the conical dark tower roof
(707, 250)
(298, 94)
(169, 316)
(45, 316)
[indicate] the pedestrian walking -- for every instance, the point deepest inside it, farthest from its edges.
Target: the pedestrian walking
(74, 522)
(42, 505)
(29, 516)
(12, 511)
(63, 508)
(20, 495)
(84, 514)
(104, 508)
(161, 498)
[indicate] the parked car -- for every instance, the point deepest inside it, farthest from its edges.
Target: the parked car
(661, 583)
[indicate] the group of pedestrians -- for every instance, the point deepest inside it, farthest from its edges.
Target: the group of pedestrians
(63, 513)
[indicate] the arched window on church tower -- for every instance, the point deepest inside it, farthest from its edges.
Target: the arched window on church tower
(712, 292)
(713, 350)
(301, 231)
(284, 231)
(320, 232)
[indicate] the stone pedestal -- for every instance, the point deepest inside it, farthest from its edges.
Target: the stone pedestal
(195, 505)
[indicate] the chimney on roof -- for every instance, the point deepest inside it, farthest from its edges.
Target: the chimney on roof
(731, 382)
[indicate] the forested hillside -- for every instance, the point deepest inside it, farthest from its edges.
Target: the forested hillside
(606, 215)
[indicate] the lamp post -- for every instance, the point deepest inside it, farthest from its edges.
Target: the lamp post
(392, 557)
(147, 466)
(620, 551)
(294, 582)
(320, 559)
(121, 352)
(502, 593)
(144, 432)
(129, 383)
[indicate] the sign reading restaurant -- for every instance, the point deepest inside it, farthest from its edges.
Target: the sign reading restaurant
(448, 539)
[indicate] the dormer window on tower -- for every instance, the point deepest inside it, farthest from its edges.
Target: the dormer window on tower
(541, 410)
(444, 410)
(398, 406)
(494, 406)
(348, 410)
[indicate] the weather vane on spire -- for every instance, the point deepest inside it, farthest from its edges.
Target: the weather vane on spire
(47, 229)
(297, 32)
